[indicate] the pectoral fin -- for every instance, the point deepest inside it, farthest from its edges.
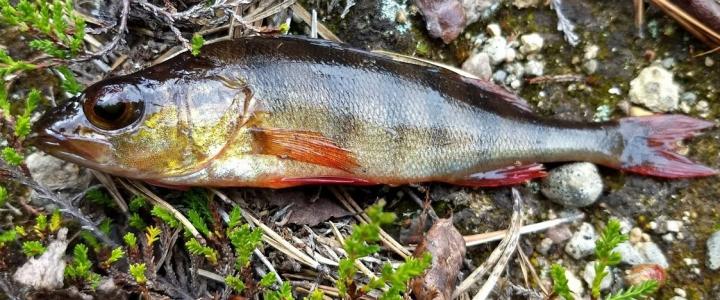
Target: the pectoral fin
(306, 146)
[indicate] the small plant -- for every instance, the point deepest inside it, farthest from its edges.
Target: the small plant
(244, 241)
(362, 242)
(138, 273)
(196, 43)
(235, 283)
(115, 255)
(560, 282)
(55, 221)
(99, 197)
(33, 248)
(3, 195)
(80, 268)
(130, 240)
(610, 238)
(8, 236)
(196, 248)
(151, 234)
(165, 216)
(283, 293)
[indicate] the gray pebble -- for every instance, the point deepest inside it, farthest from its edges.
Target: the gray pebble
(629, 254)
(668, 63)
(713, 251)
(652, 253)
(500, 76)
(478, 64)
(582, 243)
(590, 66)
(534, 68)
(688, 97)
(55, 173)
(573, 185)
(496, 49)
(655, 89)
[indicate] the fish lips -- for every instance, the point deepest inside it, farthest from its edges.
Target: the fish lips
(64, 132)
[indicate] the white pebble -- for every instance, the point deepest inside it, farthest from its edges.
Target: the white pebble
(494, 29)
(531, 43)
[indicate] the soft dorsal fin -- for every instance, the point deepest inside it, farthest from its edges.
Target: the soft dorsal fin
(306, 146)
(485, 85)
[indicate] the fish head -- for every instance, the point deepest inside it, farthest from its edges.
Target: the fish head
(136, 127)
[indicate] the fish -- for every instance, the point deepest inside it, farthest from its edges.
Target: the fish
(283, 111)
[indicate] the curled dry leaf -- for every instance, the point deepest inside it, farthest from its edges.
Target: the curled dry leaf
(445, 19)
(447, 247)
(644, 272)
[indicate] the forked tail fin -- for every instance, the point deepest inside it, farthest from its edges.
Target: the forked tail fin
(650, 144)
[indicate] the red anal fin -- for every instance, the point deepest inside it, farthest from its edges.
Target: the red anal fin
(502, 177)
(305, 146)
(296, 181)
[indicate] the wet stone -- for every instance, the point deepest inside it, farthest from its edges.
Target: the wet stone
(655, 89)
(582, 243)
(478, 64)
(652, 253)
(713, 251)
(573, 185)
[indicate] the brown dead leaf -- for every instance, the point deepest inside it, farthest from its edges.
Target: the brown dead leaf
(304, 210)
(447, 247)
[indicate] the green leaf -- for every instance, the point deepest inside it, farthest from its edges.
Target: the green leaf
(3, 195)
(198, 222)
(268, 280)
(115, 255)
(130, 240)
(640, 291)
(79, 269)
(316, 294)
(55, 221)
(22, 124)
(33, 248)
(105, 226)
(4, 102)
(136, 221)
(68, 82)
(560, 282)
(196, 248)
(10, 156)
(235, 217)
(284, 293)
(196, 43)
(609, 239)
(138, 273)
(165, 216)
(399, 278)
(99, 197)
(8, 236)
(40, 223)
(137, 202)
(49, 47)
(244, 240)
(235, 283)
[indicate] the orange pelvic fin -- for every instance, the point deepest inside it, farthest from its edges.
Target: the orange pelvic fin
(502, 177)
(305, 146)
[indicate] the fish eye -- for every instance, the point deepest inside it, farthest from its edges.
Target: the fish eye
(113, 114)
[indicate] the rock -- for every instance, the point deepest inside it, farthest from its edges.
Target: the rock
(46, 271)
(639, 112)
(573, 185)
(589, 275)
(689, 98)
(709, 62)
(526, 3)
(444, 19)
(668, 63)
(531, 43)
(635, 235)
(629, 254)
(672, 226)
(591, 52)
(534, 68)
(496, 49)
(516, 69)
(655, 89)
(545, 246)
(500, 76)
(590, 66)
(55, 173)
(478, 64)
(574, 284)
(582, 243)
(494, 29)
(510, 55)
(713, 251)
(477, 9)
(559, 234)
(515, 84)
(652, 253)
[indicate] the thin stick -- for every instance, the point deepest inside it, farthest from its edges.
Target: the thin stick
(304, 15)
(499, 252)
(362, 217)
(640, 17)
(139, 189)
(482, 238)
(108, 183)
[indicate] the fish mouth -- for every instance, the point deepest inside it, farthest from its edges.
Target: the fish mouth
(82, 151)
